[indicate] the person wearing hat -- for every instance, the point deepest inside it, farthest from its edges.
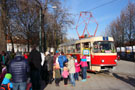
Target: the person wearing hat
(6, 82)
(19, 69)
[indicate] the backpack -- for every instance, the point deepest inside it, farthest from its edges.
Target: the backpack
(5, 86)
(65, 59)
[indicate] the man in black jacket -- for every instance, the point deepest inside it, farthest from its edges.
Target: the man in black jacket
(35, 68)
(19, 69)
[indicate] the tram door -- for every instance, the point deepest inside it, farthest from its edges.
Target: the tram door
(87, 52)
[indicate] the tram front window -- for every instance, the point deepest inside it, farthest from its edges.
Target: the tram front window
(103, 47)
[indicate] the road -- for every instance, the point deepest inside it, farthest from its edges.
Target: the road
(121, 78)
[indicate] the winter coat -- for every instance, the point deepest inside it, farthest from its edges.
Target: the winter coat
(61, 60)
(57, 73)
(19, 69)
(35, 60)
(6, 81)
(83, 63)
(49, 62)
(71, 66)
(77, 67)
(65, 74)
(55, 57)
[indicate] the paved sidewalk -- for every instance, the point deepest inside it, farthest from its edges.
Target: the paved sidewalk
(125, 67)
(96, 82)
(122, 78)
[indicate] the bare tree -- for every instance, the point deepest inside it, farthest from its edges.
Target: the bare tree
(123, 28)
(26, 18)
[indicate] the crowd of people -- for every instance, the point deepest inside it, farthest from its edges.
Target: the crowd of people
(20, 70)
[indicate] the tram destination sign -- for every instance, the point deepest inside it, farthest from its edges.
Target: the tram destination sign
(86, 52)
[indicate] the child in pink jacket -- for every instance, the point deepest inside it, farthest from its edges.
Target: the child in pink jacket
(77, 69)
(65, 74)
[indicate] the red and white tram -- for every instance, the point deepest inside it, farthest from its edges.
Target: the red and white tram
(100, 52)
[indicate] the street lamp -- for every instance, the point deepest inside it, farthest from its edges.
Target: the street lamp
(53, 7)
(41, 29)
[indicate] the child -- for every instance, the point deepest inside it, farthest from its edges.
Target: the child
(77, 68)
(6, 82)
(65, 74)
(57, 74)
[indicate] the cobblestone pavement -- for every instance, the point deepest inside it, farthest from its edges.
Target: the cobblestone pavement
(118, 79)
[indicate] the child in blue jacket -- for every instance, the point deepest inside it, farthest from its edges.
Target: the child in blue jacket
(6, 82)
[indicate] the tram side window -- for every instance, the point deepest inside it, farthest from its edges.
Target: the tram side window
(72, 49)
(64, 49)
(68, 49)
(78, 48)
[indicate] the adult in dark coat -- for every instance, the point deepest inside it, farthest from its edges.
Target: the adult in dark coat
(19, 69)
(49, 66)
(35, 68)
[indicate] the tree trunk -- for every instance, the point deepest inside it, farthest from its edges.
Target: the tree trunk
(2, 39)
(3, 16)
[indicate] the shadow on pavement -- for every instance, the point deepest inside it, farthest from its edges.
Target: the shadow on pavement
(128, 80)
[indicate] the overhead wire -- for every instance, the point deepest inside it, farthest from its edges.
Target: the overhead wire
(104, 4)
(99, 6)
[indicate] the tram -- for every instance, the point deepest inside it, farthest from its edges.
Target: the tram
(99, 51)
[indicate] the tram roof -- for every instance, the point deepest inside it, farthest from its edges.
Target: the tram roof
(98, 38)
(68, 43)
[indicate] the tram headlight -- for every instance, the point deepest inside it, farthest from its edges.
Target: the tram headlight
(116, 60)
(102, 61)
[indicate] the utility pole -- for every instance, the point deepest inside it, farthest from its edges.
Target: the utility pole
(45, 9)
(40, 31)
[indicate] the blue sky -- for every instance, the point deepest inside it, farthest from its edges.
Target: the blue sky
(103, 15)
